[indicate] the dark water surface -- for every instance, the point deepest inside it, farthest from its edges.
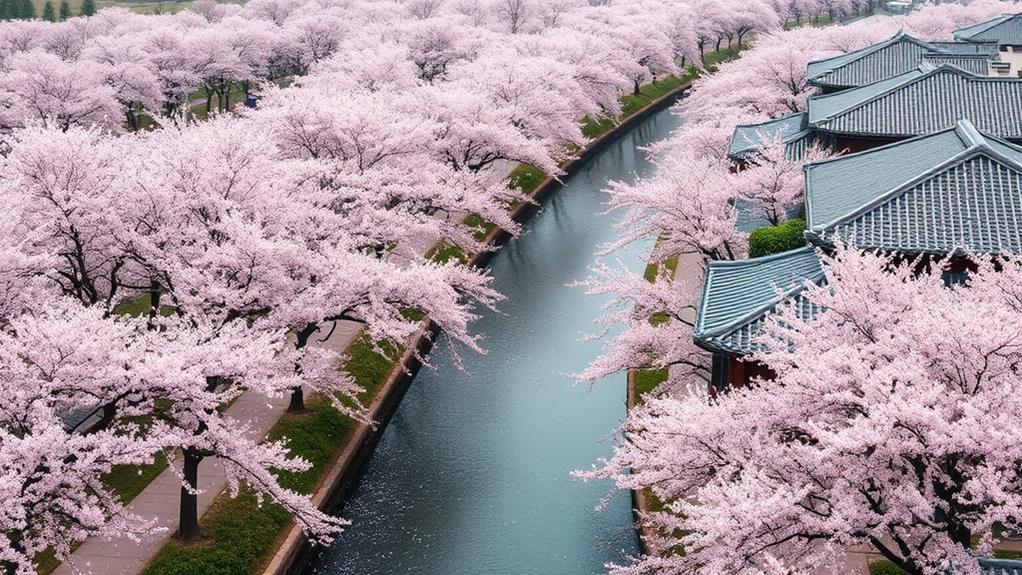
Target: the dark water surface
(472, 476)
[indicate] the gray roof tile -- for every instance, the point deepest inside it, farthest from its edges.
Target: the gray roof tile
(1000, 567)
(747, 139)
(738, 295)
(922, 102)
(978, 64)
(956, 189)
(886, 59)
(1006, 29)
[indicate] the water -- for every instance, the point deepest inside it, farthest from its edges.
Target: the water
(472, 476)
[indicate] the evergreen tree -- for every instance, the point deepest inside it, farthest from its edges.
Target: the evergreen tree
(5, 10)
(26, 10)
(65, 10)
(88, 7)
(49, 14)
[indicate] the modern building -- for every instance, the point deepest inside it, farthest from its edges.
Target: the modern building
(1006, 32)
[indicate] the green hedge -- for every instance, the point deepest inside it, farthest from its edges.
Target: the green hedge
(776, 239)
(885, 567)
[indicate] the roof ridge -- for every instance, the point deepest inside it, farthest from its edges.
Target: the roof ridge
(870, 50)
(995, 21)
(779, 296)
(756, 261)
(769, 120)
(925, 75)
(974, 150)
(969, 134)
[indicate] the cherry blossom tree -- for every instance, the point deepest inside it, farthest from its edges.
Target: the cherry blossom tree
(63, 359)
(516, 13)
(774, 182)
(43, 87)
(687, 206)
(905, 447)
(234, 235)
(130, 72)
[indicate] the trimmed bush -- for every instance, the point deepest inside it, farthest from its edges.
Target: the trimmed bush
(884, 567)
(776, 239)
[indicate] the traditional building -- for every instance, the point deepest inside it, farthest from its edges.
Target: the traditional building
(952, 192)
(920, 101)
(736, 300)
(893, 57)
(902, 64)
(940, 197)
(1006, 32)
(1000, 567)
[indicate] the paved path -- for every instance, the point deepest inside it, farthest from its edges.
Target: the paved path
(688, 277)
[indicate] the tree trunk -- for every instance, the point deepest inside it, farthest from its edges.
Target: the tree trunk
(132, 120)
(188, 522)
(636, 91)
(209, 100)
(297, 404)
(154, 303)
(719, 40)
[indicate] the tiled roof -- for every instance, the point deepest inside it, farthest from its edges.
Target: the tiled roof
(1000, 567)
(952, 190)
(922, 102)
(747, 139)
(1006, 29)
(887, 59)
(738, 295)
(984, 48)
(978, 64)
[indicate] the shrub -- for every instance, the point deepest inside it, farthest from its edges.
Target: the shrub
(884, 567)
(776, 239)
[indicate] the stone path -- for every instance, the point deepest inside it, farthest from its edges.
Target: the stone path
(688, 276)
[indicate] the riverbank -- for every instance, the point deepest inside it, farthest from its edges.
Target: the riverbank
(294, 551)
(245, 535)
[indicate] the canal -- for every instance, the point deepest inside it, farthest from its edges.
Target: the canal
(472, 475)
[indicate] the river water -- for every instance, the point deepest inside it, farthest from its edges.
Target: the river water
(472, 475)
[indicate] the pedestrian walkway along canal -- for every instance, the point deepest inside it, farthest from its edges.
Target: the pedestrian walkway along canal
(472, 475)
